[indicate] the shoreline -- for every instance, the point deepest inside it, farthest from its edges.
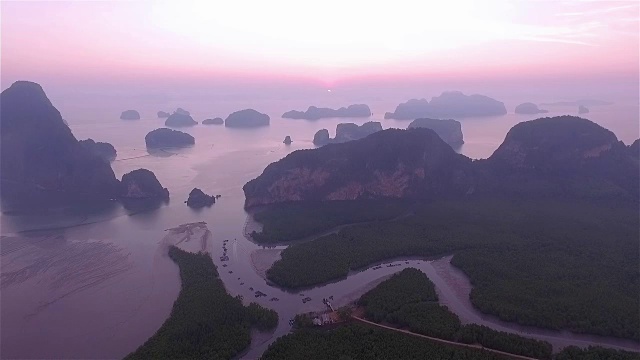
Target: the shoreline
(263, 259)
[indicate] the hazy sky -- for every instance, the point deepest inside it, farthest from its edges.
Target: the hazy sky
(582, 46)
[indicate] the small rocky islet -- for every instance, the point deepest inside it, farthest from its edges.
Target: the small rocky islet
(130, 115)
(168, 138)
(198, 199)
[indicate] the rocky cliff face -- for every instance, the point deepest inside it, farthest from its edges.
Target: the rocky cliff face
(104, 150)
(346, 132)
(198, 199)
(142, 184)
(562, 156)
(388, 164)
(41, 161)
(553, 144)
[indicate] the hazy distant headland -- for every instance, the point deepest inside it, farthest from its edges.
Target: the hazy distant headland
(346, 132)
(449, 104)
(582, 102)
(315, 113)
(246, 118)
(583, 109)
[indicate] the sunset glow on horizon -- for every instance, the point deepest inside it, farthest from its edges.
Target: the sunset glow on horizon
(327, 42)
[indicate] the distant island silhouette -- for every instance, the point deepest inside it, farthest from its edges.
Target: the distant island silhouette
(529, 108)
(246, 118)
(315, 113)
(448, 104)
(130, 115)
(346, 132)
(583, 102)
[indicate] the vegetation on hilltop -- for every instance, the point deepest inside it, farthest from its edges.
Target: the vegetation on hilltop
(594, 353)
(297, 220)
(552, 264)
(408, 299)
(355, 341)
(205, 321)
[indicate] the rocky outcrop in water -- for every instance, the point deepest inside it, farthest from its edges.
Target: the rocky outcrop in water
(287, 140)
(246, 118)
(556, 157)
(198, 199)
(315, 113)
(529, 109)
(214, 121)
(583, 109)
(168, 138)
(346, 132)
(42, 164)
(130, 115)
(142, 184)
(103, 150)
(180, 120)
(447, 105)
(163, 114)
(449, 130)
(182, 111)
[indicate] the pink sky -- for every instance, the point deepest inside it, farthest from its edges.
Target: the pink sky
(329, 43)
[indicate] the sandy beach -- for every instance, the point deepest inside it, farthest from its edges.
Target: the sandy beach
(191, 237)
(263, 259)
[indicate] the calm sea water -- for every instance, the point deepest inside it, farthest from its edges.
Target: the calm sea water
(94, 283)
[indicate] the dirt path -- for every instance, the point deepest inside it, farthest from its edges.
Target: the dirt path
(472, 346)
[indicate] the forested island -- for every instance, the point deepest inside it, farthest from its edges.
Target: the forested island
(205, 322)
(409, 300)
(355, 341)
(527, 222)
(545, 246)
(167, 138)
(564, 156)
